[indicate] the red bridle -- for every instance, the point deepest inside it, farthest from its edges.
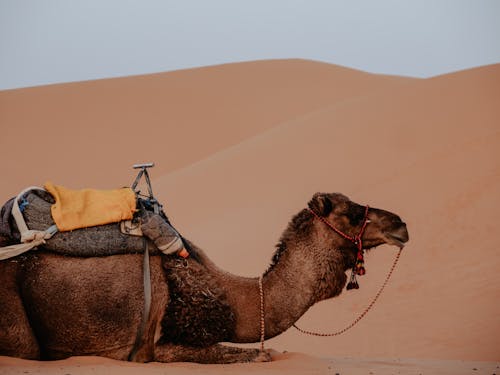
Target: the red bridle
(359, 268)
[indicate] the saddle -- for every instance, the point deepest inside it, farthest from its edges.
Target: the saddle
(86, 223)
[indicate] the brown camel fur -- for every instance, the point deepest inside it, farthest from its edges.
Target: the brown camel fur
(52, 306)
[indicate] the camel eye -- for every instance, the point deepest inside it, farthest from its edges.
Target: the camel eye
(356, 215)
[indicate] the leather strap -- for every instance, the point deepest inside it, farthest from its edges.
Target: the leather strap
(146, 275)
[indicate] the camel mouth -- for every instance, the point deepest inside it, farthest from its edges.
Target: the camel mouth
(397, 238)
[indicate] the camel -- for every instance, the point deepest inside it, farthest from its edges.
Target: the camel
(53, 306)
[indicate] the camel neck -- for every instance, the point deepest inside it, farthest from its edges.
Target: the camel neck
(286, 296)
(290, 288)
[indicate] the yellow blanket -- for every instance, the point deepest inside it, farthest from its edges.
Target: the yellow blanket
(76, 209)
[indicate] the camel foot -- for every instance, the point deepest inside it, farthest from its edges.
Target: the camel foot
(264, 356)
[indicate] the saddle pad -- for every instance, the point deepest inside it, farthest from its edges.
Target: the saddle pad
(75, 209)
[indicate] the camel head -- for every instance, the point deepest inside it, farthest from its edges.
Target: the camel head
(382, 227)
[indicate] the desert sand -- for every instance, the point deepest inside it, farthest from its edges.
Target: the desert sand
(240, 148)
(287, 363)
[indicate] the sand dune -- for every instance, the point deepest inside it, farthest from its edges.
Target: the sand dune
(100, 128)
(263, 137)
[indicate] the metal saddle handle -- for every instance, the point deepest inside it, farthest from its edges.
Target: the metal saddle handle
(144, 172)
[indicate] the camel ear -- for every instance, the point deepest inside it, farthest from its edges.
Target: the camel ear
(321, 204)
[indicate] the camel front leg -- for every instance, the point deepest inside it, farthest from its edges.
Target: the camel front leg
(213, 354)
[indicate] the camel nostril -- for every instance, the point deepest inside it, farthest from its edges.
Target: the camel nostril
(397, 221)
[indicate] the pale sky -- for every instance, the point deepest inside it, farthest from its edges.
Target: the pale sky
(53, 41)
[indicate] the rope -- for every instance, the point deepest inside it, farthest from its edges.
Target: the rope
(30, 238)
(262, 321)
(363, 314)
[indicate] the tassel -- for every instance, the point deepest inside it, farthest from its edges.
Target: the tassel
(353, 283)
(359, 268)
(360, 271)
